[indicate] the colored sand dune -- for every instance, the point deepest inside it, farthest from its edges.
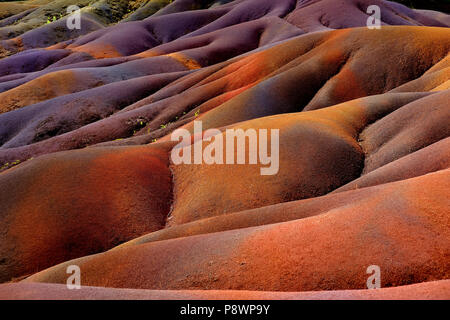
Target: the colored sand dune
(87, 176)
